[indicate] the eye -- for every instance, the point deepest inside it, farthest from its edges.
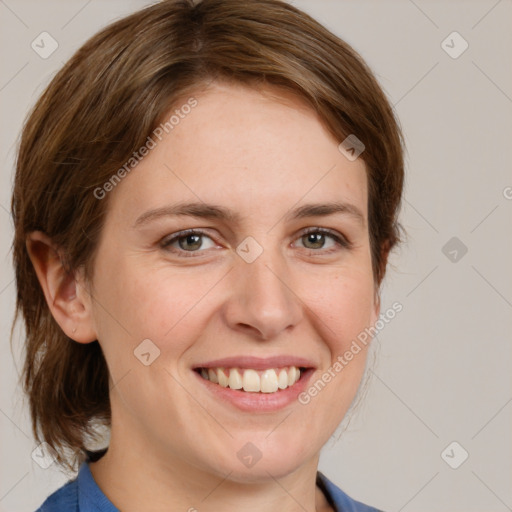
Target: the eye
(317, 239)
(190, 240)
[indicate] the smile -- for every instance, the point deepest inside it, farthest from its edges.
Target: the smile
(271, 380)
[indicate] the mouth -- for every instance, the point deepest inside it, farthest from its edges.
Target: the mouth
(252, 380)
(254, 384)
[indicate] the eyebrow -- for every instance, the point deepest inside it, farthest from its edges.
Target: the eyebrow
(212, 211)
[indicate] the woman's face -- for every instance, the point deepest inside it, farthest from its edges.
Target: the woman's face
(252, 284)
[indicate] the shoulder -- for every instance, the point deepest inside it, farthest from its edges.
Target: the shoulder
(67, 498)
(341, 501)
(64, 499)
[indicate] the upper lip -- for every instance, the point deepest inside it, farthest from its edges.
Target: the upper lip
(257, 363)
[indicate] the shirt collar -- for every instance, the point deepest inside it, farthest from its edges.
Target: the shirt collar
(90, 497)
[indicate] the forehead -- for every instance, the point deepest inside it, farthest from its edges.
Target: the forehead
(248, 149)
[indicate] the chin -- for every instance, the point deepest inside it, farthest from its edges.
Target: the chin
(252, 464)
(262, 471)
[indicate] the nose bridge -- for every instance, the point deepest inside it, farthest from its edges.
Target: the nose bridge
(263, 297)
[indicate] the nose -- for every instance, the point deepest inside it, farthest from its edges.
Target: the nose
(262, 301)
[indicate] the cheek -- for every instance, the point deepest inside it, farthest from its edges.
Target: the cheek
(343, 310)
(172, 307)
(344, 306)
(137, 303)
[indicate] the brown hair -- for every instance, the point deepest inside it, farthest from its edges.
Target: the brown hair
(106, 101)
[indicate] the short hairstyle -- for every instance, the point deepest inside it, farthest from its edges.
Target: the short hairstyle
(102, 106)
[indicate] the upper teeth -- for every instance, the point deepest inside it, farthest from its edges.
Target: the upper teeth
(266, 381)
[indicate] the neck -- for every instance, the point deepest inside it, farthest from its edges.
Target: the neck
(139, 479)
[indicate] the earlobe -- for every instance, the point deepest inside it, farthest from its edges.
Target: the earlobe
(65, 293)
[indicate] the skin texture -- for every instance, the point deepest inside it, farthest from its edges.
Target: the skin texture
(173, 446)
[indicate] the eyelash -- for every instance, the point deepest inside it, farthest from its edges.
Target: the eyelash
(340, 241)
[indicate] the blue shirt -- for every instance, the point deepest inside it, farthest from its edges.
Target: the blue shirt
(83, 495)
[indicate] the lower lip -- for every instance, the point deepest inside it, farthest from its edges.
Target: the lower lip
(258, 402)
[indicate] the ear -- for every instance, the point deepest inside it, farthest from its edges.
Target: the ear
(65, 293)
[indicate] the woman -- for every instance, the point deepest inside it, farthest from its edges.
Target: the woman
(205, 199)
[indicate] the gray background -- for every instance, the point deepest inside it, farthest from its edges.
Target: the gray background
(442, 370)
